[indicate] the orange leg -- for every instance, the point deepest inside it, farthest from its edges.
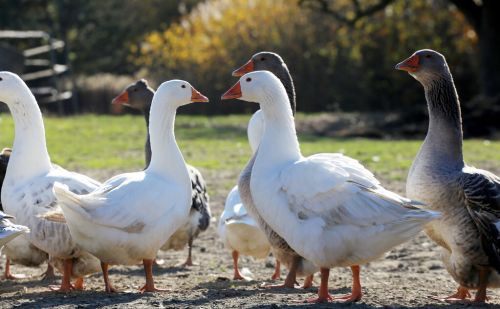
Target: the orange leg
(308, 282)
(10, 276)
(150, 285)
(483, 284)
(323, 295)
(277, 272)
(66, 285)
(49, 273)
(356, 288)
(291, 277)
(107, 284)
(460, 296)
(79, 284)
(237, 275)
(189, 260)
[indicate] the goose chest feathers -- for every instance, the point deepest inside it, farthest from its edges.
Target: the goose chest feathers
(27, 187)
(139, 96)
(467, 197)
(341, 216)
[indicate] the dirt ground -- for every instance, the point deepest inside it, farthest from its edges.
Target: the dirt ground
(408, 276)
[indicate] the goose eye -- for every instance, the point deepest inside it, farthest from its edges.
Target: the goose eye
(249, 79)
(427, 56)
(262, 59)
(183, 86)
(1, 79)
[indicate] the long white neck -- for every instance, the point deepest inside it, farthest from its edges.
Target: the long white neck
(29, 154)
(279, 145)
(166, 157)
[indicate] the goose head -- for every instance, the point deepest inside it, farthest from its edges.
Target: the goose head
(267, 61)
(425, 65)
(272, 62)
(137, 95)
(256, 87)
(179, 93)
(11, 86)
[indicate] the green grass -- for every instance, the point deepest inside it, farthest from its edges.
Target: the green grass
(215, 143)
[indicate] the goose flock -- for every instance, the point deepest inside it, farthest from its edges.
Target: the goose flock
(312, 213)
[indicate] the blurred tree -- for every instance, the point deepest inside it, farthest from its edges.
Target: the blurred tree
(99, 34)
(217, 36)
(481, 15)
(335, 66)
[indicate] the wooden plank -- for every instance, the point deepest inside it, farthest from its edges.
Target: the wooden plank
(43, 90)
(66, 95)
(56, 44)
(37, 62)
(13, 34)
(57, 69)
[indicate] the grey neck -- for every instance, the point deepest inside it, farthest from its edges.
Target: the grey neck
(444, 137)
(147, 146)
(287, 81)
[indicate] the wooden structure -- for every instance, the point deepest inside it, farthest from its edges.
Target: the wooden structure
(37, 64)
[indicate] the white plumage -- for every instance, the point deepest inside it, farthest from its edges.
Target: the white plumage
(9, 230)
(129, 217)
(328, 207)
(27, 188)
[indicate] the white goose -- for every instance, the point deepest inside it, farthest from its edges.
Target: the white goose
(328, 207)
(129, 217)
(297, 265)
(27, 188)
(20, 250)
(237, 229)
(9, 230)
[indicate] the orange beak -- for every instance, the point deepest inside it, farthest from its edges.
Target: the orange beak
(122, 98)
(409, 65)
(196, 96)
(244, 69)
(118, 102)
(233, 93)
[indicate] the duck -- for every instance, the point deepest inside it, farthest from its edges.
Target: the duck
(27, 187)
(126, 220)
(296, 264)
(238, 230)
(341, 216)
(139, 95)
(469, 197)
(9, 230)
(19, 249)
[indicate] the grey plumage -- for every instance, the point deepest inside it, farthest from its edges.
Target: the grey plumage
(469, 198)
(273, 63)
(4, 161)
(482, 198)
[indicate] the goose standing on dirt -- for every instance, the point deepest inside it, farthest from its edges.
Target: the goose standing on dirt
(27, 188)
(127, 219)
(469, 198)
(20, 250)
(238, 230)
(9, 230)
(328, 207)
(139, 96)
(297, 265)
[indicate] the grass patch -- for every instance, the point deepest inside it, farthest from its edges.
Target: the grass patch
(216, 143)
